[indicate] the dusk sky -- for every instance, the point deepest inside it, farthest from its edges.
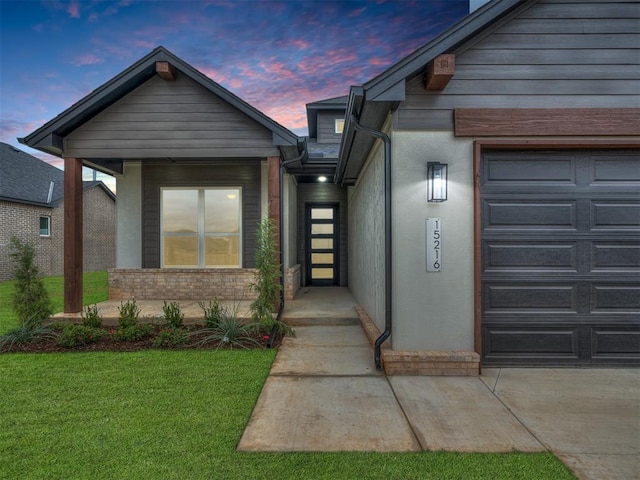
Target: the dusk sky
(276, 55)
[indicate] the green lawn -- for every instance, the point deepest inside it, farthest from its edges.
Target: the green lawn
(94, 286)
(179, 414)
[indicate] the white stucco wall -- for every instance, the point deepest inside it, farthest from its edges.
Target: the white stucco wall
(129, 217)
(432, 310)
(264, 190)
(366, 237)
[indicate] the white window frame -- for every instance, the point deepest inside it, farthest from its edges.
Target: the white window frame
(48, 234)
(200, 234)
(336, 122)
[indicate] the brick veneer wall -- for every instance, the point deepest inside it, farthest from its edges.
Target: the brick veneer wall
(99, 230)
(181, 284)
(420, 362)
(291, 282)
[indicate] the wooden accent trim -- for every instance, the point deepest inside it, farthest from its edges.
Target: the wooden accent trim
(273, 197)
(72, 235)
(166, 71)
(478, 147)
(479, 122)
(440, 71)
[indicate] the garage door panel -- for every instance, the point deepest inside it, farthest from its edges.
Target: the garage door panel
(614, 169)
(531, 341)
(623, 341)
(618, 256)
(529, 215)
(624, 298)
(517, 169)
(530, 256)
(615, 215)
(519, 297)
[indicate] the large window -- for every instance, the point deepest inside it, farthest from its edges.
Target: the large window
(201, 227)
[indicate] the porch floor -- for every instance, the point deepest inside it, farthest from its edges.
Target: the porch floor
(311, 306)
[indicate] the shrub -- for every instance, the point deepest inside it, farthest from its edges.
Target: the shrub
(27, 332)
(73, 335)
(91, 317)
(230, 331)
(213, 310)
(170, 337)
(173, 317)
(31, 300)
(267, 276)
(132, 333)
(129, 313)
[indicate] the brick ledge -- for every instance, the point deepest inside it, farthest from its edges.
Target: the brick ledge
(420, 362)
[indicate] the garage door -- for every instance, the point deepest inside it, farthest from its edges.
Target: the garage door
(560, 257)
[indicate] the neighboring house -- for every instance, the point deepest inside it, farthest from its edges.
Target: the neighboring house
(31, 208)
(533, 257)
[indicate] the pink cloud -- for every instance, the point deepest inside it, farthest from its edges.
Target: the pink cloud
(73, 10)
(378, 62)
(87, 59)
(357, 13)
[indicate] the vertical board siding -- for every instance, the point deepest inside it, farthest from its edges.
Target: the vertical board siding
(323, 193)
(154, 177)
(163, 119)
(327, 127)
(555, 54)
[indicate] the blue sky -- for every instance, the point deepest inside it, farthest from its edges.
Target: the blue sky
(276, 55)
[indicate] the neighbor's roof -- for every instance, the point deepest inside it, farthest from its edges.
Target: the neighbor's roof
(371, 102)
(27, 179)
(335, 103)
(48, 138)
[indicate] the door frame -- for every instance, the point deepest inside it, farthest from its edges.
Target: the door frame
(336, 243)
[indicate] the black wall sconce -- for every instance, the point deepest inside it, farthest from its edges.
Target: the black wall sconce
(436, 182)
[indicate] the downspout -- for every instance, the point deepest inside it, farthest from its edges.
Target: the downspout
(387, 235)
(283, 164)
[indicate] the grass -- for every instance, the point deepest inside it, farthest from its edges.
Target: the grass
(95, 290)
(180, 414)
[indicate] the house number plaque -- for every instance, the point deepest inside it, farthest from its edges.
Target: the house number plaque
(434, 244)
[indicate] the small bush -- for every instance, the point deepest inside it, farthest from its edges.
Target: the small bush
(73, 335)
(129, 314)
(27, 332)
(173, 317)
(230, 331)
(132, 333)
(31, 300)
(170, 337)
(91, 317)
(213, 311)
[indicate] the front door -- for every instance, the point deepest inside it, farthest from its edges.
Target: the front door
(322, 244)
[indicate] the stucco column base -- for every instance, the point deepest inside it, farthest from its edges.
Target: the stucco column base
(420, 362)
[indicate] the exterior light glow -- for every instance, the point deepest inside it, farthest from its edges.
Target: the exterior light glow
(322, 178)
(436, 182)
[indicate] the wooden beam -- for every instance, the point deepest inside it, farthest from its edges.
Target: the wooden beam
(72, 235)
(166, 71)
(505, 122)
(440, 71)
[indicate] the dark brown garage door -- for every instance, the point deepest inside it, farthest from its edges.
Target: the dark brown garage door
(560, 257)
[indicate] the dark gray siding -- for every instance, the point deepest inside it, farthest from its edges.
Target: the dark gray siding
(323, 193)
(555, 54)
(246, 175)
(560, 257)
(327, 127)
(170, 119)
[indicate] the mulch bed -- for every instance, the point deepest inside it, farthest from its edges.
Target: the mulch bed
(108, 344)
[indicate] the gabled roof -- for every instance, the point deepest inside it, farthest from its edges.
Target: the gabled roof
(370, 103)
(48, 138)
(27, 179)
(331, 104)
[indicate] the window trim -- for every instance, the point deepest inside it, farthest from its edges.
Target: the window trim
(201, 235)
(48, 218)
(336, 121)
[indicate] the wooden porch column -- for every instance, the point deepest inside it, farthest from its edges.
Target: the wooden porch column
(72, 235)
(273, 196)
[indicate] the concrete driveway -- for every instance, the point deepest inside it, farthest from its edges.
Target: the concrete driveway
(324, 394)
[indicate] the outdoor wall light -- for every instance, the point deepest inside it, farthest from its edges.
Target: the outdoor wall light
(436, 182)
(322, 178)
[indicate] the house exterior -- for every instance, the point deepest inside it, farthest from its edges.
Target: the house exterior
(533, 257)
(31, 208)
(534, 107)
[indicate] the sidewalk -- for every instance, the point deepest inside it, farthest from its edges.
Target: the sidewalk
(324, 394)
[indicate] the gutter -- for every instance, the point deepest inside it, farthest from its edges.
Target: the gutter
(387, 235)
(283, 164)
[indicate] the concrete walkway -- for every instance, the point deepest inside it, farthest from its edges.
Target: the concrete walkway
(324, 394)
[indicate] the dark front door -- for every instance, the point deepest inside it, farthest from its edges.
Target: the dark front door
(322, 244)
